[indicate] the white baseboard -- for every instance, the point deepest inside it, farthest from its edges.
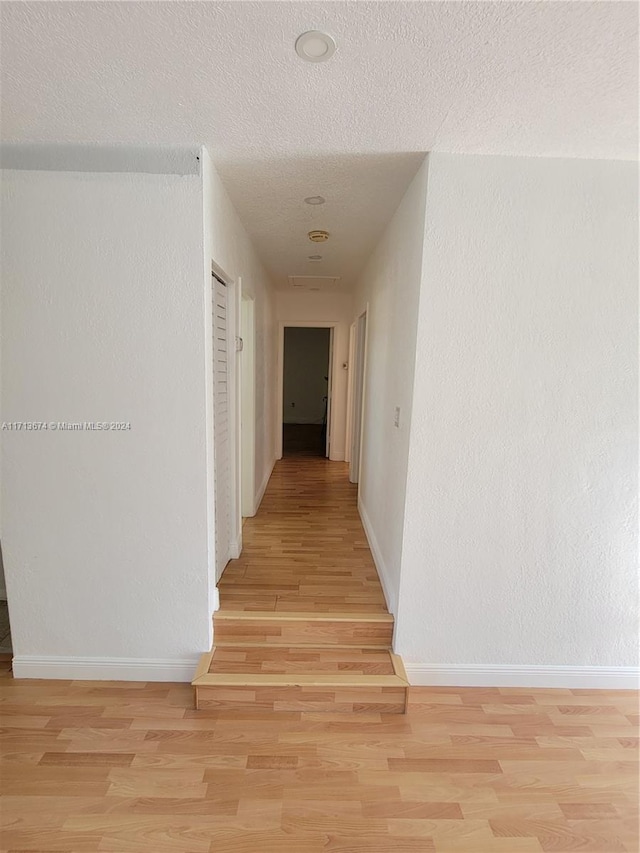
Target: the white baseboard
(263, 487)
(381, 567)
(105, 669)
(479, 675)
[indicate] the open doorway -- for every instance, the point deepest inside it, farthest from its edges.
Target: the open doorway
(306, 386)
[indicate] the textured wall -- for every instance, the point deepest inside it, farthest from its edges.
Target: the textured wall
(390, 284)
(104, 533)
(520, 538)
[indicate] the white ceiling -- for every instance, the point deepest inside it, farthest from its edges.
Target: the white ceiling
(529, 78)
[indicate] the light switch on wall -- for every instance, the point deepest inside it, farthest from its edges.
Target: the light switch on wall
(396, 417)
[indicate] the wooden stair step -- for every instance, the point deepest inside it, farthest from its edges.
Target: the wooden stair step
(292, 628)
(323, 689)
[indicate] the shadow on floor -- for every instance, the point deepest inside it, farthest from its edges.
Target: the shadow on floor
(303, 440)
(5, 631)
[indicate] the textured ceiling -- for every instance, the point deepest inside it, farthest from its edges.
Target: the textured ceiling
(531, 78)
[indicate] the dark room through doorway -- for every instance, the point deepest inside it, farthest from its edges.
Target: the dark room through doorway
(306, 391)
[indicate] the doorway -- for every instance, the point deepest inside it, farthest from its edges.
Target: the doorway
(306, 390)
(359, 349)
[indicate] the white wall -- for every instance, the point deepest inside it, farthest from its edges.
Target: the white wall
(306, 364)
(104, 533)
(310, 307)
(226, 243)
(520, 535)
(390, 286)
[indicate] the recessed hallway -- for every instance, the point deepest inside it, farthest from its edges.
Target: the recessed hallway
(303, 624)
(306, 549)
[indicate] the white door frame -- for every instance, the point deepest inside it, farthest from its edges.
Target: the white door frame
(233, 314)
(329, 407)
(358, 396)
(247, 408)
(306, 324)
(351, 363)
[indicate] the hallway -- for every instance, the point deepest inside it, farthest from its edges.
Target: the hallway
(306, 549)
(303, 624)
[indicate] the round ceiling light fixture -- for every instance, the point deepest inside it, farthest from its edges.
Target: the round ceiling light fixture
(314, 199)
(315, 257)
(315, 46)
(318, 236)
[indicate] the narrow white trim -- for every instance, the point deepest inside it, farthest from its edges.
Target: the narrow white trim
(348, 429)
(247, 400)
(498, 675)
(216, 599)
(263, 486)
(235, 548)
(105, 669)
(383, 572)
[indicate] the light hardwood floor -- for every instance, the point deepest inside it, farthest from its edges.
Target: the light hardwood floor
(90, 766)
(305, 550)
(107, 766)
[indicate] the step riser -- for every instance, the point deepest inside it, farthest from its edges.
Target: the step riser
(303, 632)
(348, 699)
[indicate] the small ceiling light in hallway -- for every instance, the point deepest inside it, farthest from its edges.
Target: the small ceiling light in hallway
(315, 257)
(315, 46)
(314, 199)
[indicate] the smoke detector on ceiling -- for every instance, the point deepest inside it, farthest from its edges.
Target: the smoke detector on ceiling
(315, 46)
(318, 236)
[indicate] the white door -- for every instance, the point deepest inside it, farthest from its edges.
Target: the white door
(221, 421)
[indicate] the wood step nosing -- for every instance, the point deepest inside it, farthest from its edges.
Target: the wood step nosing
(230, 644)
(285, 616)
(398, 667)
(271, 680)
(203, 664)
